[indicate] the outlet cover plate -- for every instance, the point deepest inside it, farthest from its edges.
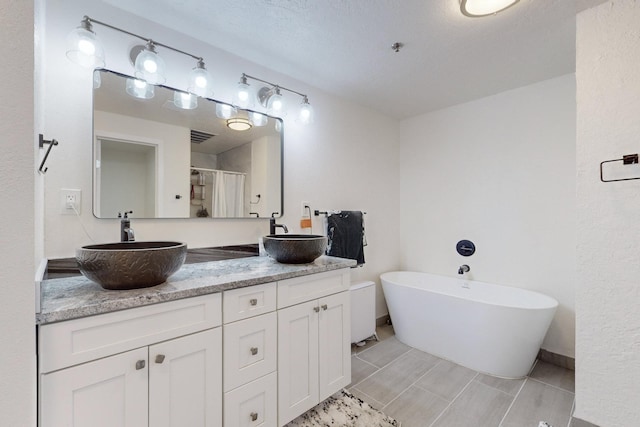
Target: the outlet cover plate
(66, 193)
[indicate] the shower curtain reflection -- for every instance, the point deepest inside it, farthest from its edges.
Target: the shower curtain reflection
(228, 194)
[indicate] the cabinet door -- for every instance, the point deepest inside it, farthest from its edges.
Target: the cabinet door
(334, 343)
(110, 392)
(185, 381)
(297, 360)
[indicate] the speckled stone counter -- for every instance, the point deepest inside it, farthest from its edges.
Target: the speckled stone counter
(74, 297)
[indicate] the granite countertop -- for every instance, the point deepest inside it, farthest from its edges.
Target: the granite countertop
(75, 297)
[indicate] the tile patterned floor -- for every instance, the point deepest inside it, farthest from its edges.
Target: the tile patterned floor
(421, 390)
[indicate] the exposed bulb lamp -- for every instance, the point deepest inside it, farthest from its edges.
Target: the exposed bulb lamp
(480, 8)
(239, 124)
(200, 81)
(242, 97)
(150, 66)
(83, 46)
(270, 97)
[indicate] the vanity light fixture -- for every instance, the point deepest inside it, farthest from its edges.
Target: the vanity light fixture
(270, 97)
(239, 124)
(242, 97)
(83, 46)
(480, 8)
(84, 49)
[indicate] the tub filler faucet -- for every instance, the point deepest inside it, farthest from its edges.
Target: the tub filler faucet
(126, 232)
(464, 268)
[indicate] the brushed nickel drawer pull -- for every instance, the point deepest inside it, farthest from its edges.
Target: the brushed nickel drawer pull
(254, 416)
(324, 306)
(160, 358)
(316, 309)
(254, 350)
(140, 364)
(253, 301)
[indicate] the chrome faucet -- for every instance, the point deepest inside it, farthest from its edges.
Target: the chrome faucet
(464, 268)
(273, 225)
(126, 232)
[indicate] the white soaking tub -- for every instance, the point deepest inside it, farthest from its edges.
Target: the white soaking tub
(489, 328)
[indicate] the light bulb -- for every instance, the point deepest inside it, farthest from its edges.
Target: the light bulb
(200, 81)
(306, 112)
(149, 65)
(83, 46)
(275, 105)
(242, 97)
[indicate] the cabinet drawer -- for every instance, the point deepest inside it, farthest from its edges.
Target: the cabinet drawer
(81, 340)
(250, 349)
(305, 288)
(253, 404)
(248, 302)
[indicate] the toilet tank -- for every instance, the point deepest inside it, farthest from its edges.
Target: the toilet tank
(363, 311)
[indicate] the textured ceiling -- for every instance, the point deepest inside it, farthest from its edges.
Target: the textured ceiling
(344, 46)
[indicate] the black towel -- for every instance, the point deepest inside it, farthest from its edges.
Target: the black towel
(345, 233)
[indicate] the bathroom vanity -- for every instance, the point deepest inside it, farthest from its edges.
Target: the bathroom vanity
(244, 342)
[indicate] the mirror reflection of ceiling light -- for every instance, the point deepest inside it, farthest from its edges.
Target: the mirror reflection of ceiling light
(239, 124)
(257, 119)
(185, 100)
(479, 8)
(225, 111)
(139, 89)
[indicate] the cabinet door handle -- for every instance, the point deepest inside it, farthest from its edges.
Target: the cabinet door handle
(160, 358)
(324, 306)
(316, 309)
(254, 416)
(140, 364)
(253, 301)
(254, 350)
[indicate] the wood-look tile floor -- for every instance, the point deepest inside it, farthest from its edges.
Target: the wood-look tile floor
(421, 390)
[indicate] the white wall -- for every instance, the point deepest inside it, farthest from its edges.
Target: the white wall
(499, 171)
(608, 295)
(17, 228)
(346, 160)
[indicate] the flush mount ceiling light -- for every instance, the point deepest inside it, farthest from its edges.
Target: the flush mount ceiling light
(270, 97)
(479, 8)
(239, 124)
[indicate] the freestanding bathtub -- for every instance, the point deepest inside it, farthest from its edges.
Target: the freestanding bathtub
(489, 328)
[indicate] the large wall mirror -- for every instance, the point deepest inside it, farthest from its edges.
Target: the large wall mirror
(153, 156)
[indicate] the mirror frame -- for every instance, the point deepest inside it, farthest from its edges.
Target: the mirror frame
(94, 154)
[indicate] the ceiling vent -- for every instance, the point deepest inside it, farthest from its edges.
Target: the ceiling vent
(198, 137)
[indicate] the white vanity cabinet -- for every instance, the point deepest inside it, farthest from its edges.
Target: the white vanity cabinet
(158, 365)
(314, 345)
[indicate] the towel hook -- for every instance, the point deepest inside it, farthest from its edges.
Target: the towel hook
(41, 143)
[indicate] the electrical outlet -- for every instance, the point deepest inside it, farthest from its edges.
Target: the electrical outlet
(305, 212)
(70, 199)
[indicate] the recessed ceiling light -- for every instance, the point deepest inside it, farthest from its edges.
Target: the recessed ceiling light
(479, 8)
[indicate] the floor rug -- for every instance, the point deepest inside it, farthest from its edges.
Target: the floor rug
(344, 410)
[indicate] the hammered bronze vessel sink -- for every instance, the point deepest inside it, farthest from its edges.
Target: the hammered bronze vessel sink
(131, 265)
(294, 248)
